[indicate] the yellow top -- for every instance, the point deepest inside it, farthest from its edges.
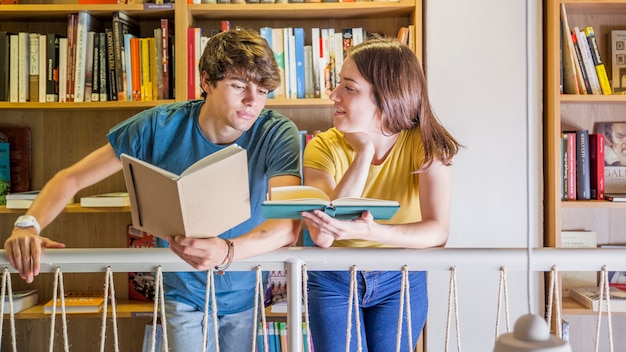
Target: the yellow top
(394, 179)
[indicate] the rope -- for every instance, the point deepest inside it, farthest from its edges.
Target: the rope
(554, 297)
(353, 298)
(58, 285)
(159, 301)
(405, 287)
(502, 291)
(453, 297)
(109, 291)
(210, 295)
(604, 295)
(305, 297)
(259, 306)
(6, 285)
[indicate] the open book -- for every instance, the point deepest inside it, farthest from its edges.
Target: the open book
(208, 198)
(289, 202)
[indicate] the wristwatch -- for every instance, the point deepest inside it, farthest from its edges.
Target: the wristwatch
(28, 221)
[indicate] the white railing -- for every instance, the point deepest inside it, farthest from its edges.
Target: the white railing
(292, 260)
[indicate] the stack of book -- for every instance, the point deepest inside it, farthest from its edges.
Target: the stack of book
(78, 303)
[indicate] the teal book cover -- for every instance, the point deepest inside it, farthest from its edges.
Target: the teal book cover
(5, 173)
(289, 202)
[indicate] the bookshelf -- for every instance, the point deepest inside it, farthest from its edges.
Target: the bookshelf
(63, 133)
(574, 112)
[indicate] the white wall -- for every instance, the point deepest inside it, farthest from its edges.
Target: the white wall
(475, 56)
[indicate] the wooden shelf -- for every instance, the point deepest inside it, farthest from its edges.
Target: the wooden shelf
(124, 309)
(598, 204)
(570, 306)
(74, 208)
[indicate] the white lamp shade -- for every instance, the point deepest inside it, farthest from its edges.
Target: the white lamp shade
(530, 334)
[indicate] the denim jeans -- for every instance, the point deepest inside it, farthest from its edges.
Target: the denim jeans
(379, 303)
(184, 329)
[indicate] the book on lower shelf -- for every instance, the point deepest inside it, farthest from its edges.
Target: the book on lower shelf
(206, 199)
(113, 199)
(615, 197)
(614, 155)
(288, 202)
(590, 298)
(141, 285)
(21, 200)
(21, 300)
(78, 303)
(569, 279)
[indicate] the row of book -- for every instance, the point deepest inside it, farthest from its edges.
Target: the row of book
(15, 160)
(593, 165)
(584, 71)
(307, 71)
(92, 62)
(277, 337)
(274, 1)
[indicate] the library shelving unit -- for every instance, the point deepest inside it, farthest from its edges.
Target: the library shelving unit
(565, 112)
(63, 133)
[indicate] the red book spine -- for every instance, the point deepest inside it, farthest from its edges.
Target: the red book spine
(191, 63)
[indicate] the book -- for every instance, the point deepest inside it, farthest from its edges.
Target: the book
(23, 58)
(21, 200)
(122, 24)
(571, 84)
(141, 285)
(43, 57)
(147, 338)
(85, 23)
(22, 300)
(596, 159)
(615, 197)
(590, 298)
(206, 199)
(587, 61)
(583, 78)
(72, 25)
(288, 202)
(617, 60)
(113, 199)
(614, 155)
(569, 279)
(52, 72)
(77, 302)
(20, 156)
(583, 166)
(603, 78)
(5, 170)
(112, 74)
(102, 69)
(5, 59)
(33, 67)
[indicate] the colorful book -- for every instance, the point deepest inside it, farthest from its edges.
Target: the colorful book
(206, 199)
(122, 24)
(288, 202)
(20, 157)
(603, 78)
(141, 285)
(52, 73)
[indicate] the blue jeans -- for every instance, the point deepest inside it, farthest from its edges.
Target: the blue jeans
(379, 303)
(184, 329)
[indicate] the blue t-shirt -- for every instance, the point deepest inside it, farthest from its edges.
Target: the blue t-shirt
(169, 136)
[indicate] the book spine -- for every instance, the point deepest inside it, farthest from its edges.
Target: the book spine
(81, 56)
(588, 65)
(103, 70)
(5, 59)
(135, 68)
(52, 84)
(580, 68)
(166, 47)
(158, 64)
(564, 166)
(71, 57)
(13, 68)
(568, 58)
(23, 67)
(603, 78)
(5, 173)
(43, 65)
(112, 77)
(191, 67)
(33, 67)
(128, 65)
(88, 81)
(299, 53)
(596, 157)
(152, 59)
(95, 75)
(583, 170)
(62, 69)
(279, 56)
(571, 166)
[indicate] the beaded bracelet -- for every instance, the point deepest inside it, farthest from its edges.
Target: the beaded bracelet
(229, 257)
